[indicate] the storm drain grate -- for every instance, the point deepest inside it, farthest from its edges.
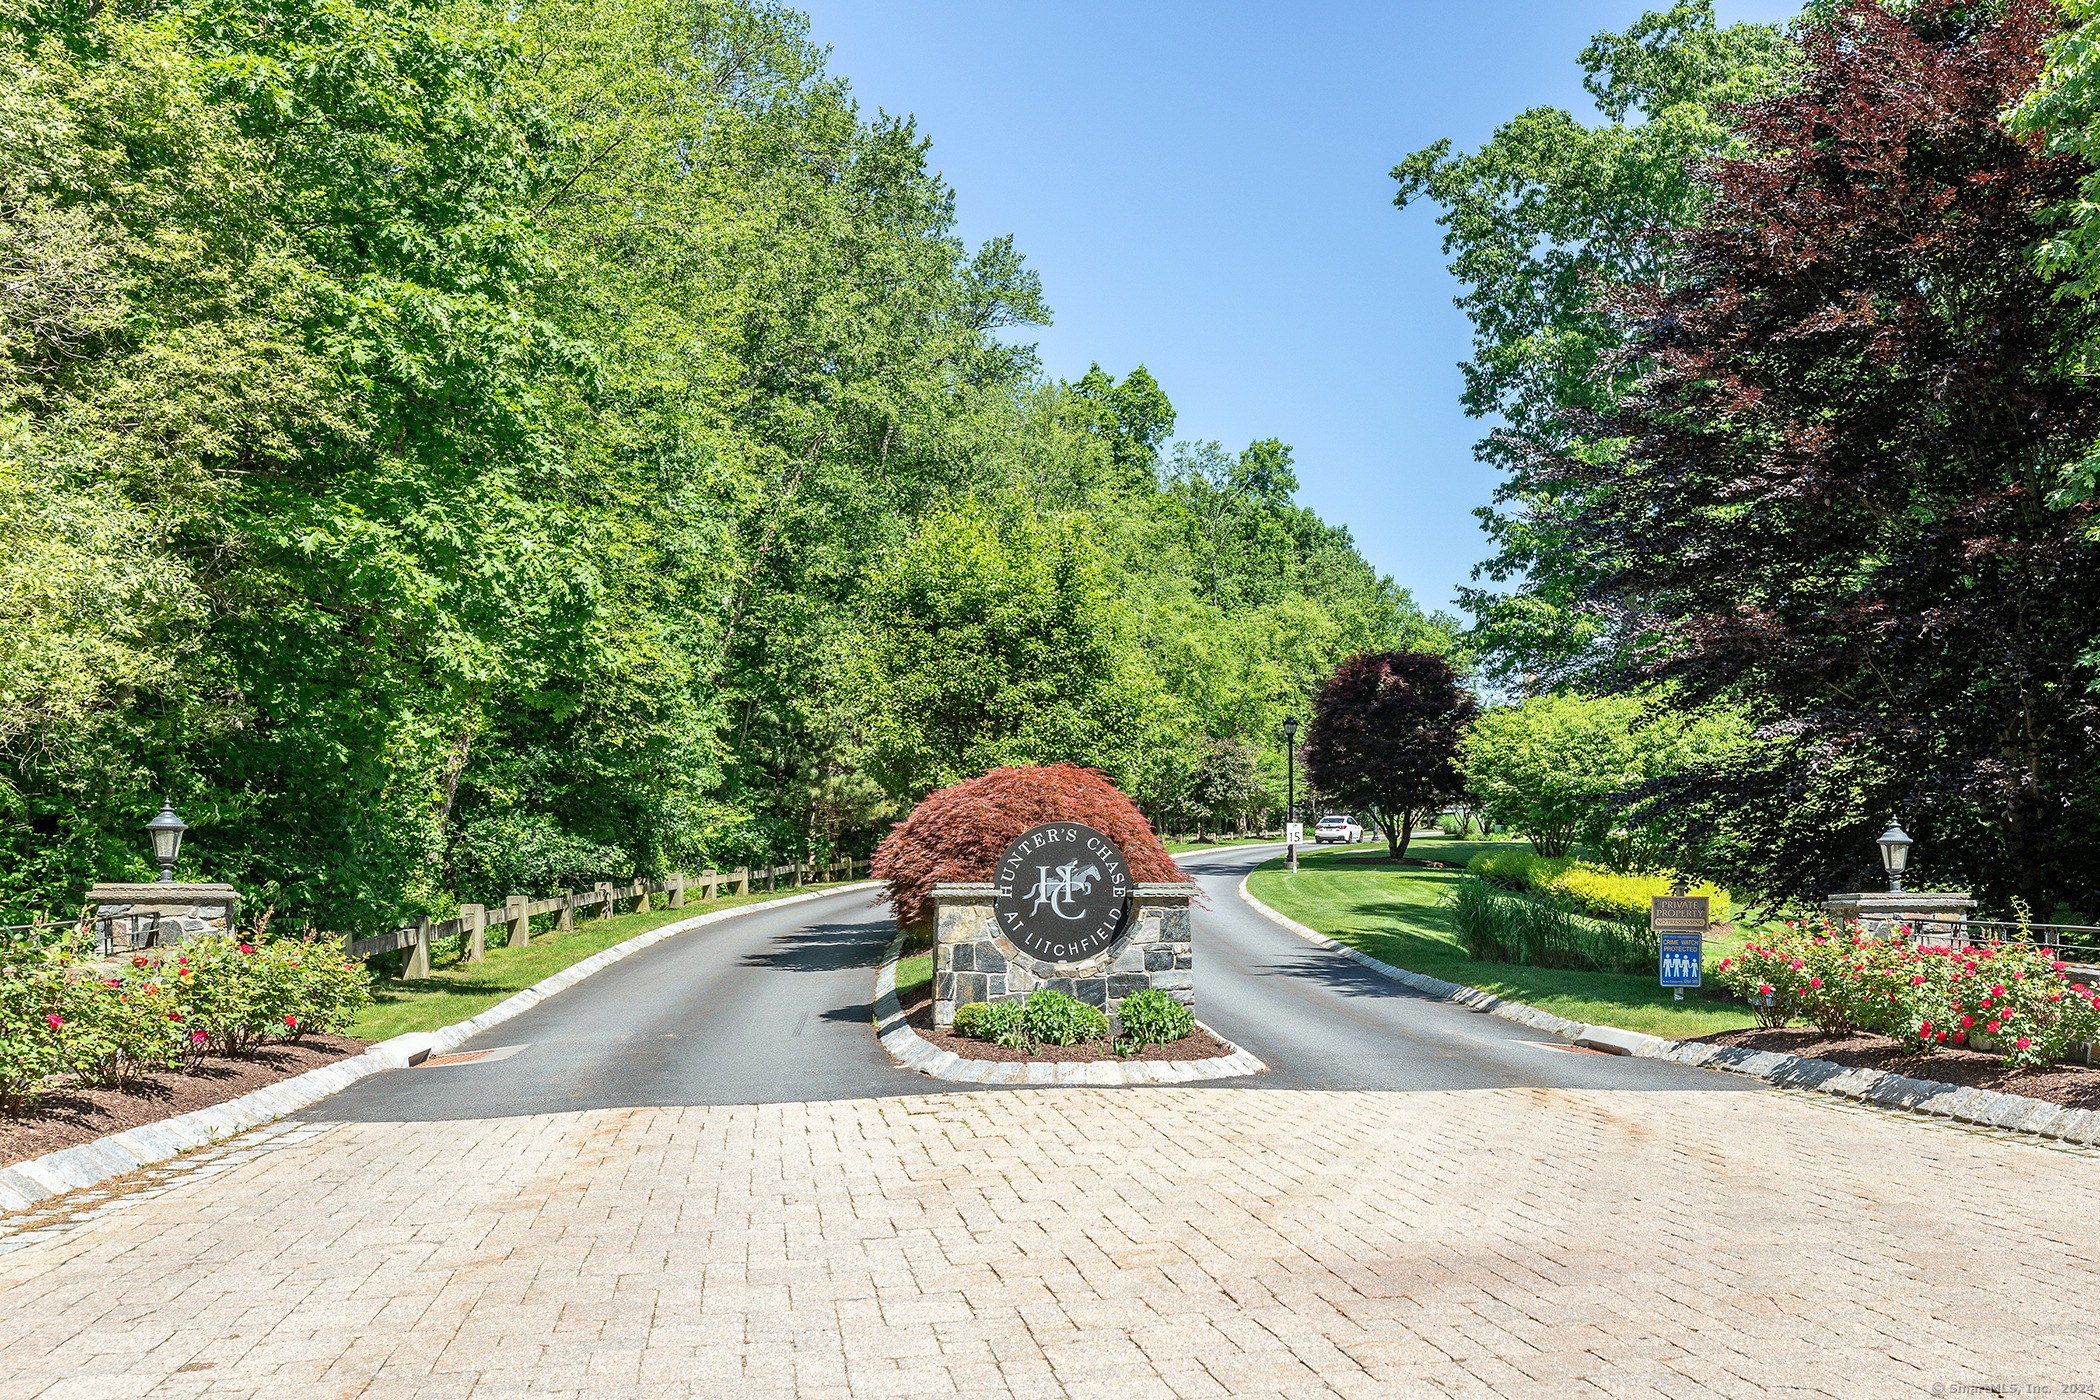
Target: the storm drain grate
(468, 1057)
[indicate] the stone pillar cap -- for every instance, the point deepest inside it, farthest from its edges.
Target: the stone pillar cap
(1165, 889)
(977, 889)
(148, 893)
(1906, 900)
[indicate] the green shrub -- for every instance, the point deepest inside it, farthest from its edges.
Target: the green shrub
(32, 992)
(1151, 1017)
(1052, 1018)
(1609, 895)
(1545, 930)
(1516, 870)
(999, 1022)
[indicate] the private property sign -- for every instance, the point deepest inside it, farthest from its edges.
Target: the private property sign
(1679, 922)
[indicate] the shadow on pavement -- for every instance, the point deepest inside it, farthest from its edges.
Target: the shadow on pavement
(822, 948)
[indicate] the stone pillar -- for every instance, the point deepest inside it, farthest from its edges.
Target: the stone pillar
(1932, 918)
(159, 915)
(971, 962)
(520, 924)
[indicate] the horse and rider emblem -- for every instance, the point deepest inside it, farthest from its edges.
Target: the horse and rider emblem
(1064, 890)
(1061, 890)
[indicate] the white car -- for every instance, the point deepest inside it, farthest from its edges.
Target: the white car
(1342, 829)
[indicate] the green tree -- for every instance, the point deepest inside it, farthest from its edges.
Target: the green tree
(987, 646)
(1134, 419)
(1557, 767)
(1536, 221)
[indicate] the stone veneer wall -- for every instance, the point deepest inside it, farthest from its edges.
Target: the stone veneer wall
(972, 962)
(141, 916)
(1933, 918)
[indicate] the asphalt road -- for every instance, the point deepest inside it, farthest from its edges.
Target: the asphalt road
(773, 1007)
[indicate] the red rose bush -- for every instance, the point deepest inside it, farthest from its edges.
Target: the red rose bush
(2015, 997)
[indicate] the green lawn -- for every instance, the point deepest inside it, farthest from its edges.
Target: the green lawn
(1394, 914)
(457, 990)
(1177, 847)
(914, 972)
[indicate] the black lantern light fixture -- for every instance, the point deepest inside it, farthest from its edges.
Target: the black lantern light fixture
(166, 831)
(1895, 854)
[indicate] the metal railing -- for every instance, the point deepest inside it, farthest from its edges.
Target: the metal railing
(2079, 943)
(15, 938)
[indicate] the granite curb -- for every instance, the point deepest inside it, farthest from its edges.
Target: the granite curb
(92, 1163)
(906, 1047)
(1928, 1097)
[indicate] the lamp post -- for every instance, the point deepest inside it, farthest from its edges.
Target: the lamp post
(1290, 769)
(1895, 854)
(166, 831)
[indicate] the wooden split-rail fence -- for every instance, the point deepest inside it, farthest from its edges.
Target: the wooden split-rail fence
(516, 913)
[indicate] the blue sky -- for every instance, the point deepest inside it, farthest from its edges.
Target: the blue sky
(1204, 189)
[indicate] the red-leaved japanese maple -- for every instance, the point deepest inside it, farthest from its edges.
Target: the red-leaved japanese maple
(958, 833)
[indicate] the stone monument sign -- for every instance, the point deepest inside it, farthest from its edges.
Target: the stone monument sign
(1061, 912)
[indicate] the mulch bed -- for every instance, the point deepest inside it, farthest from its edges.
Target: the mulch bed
(2074, 1086)
(67, 1117)
(918, 1009)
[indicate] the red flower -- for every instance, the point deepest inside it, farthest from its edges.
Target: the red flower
(1765, 990)
(197, 1037)
(1816, 982)
(138, 962)
(1918, 981)
(2021, 1042)
(56, 1021)
(1967, 1021)
(247, 947)
(291, 1022)
(1992, 1027)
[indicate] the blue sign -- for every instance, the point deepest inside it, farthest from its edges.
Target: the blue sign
(1680, 958)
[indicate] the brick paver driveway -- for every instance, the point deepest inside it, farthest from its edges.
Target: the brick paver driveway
(1090, 1242)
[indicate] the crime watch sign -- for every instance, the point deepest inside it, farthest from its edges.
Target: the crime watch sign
(1064, 892)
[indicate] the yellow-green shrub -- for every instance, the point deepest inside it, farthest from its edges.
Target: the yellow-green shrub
(1516, 869)
(1610, 895)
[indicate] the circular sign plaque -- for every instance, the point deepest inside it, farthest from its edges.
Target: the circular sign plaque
(1064, 892)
